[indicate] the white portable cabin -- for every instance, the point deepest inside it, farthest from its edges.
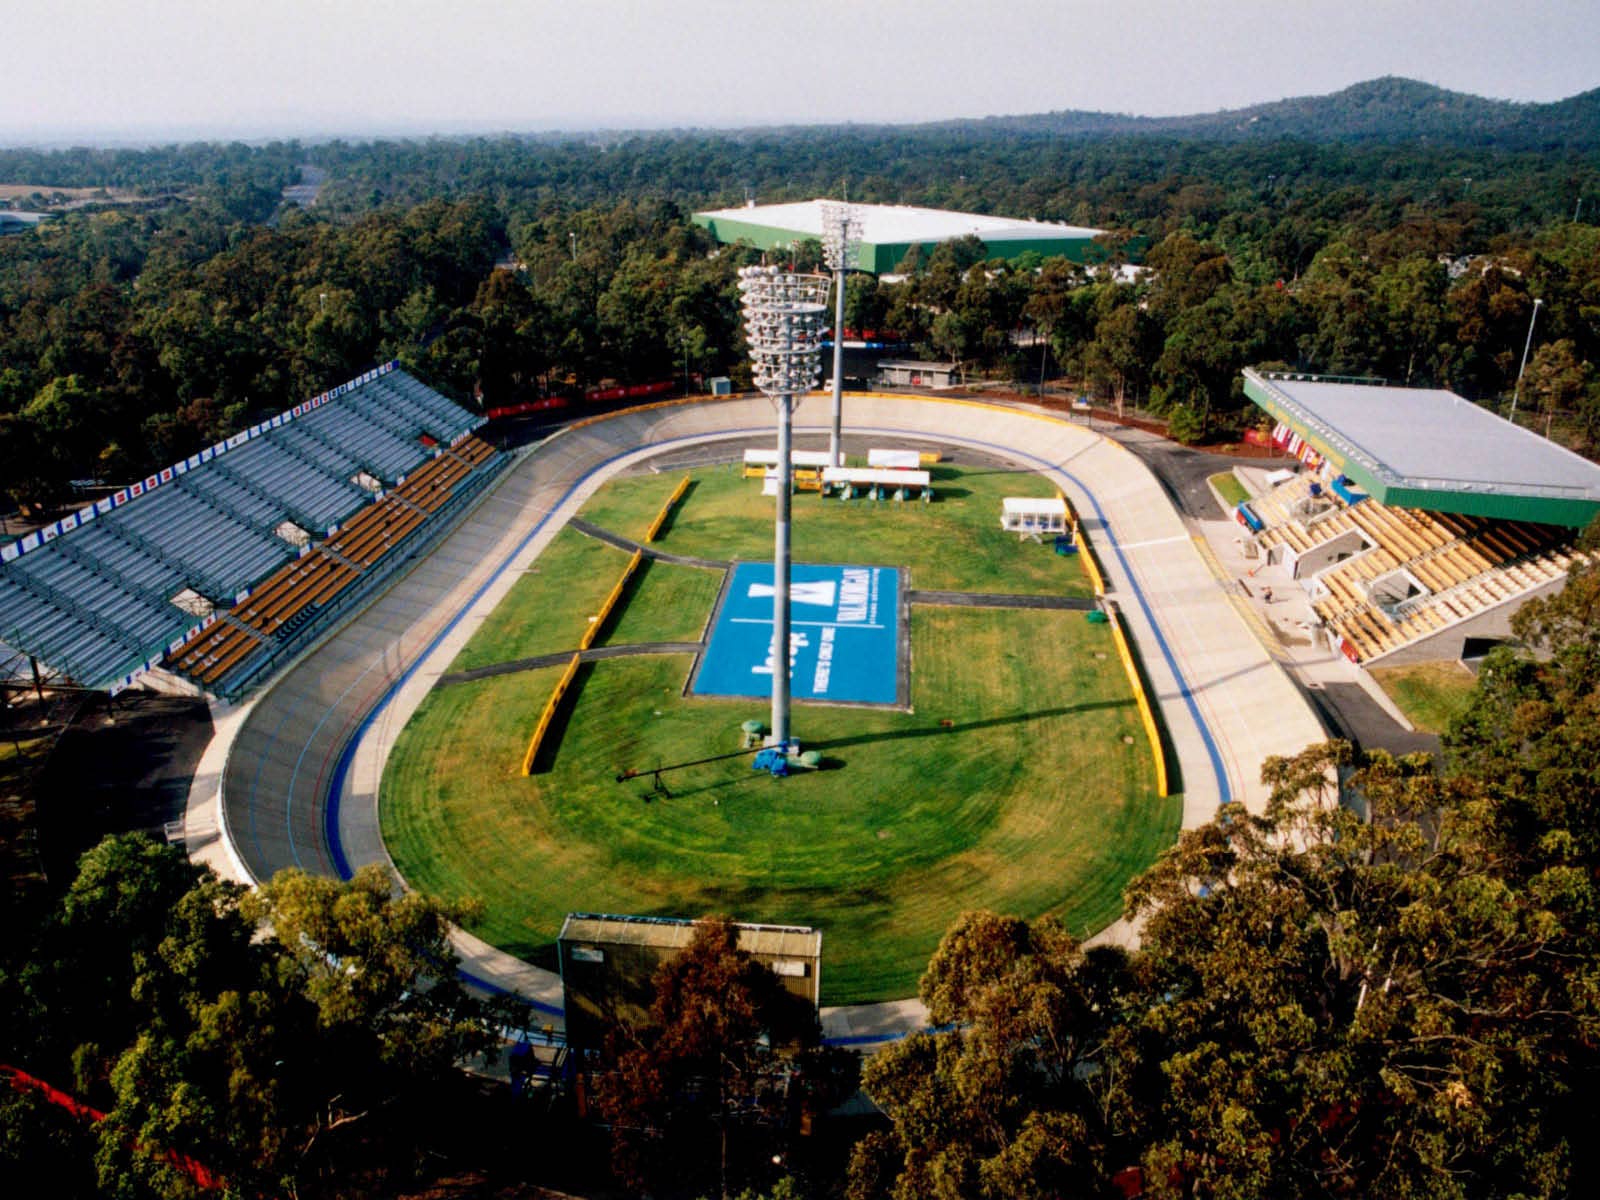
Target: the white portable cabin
(1027, 515)
(906, 373)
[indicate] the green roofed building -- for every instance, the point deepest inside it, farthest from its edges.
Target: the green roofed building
(1430, 449)
(889, 231)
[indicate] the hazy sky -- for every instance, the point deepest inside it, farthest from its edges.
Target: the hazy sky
(106, 69)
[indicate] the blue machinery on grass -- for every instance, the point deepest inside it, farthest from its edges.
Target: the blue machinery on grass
(783, 317)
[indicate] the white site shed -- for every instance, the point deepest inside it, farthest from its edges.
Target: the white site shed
(1030, 515)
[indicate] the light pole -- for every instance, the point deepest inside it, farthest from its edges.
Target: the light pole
(783, 316)
(1516, 392)
(841, 245)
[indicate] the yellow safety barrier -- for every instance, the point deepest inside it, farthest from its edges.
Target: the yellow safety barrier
(1086, 552)
(661, 517)
(584, 643)
(1146, 713)
(599, 621)
(549, 714)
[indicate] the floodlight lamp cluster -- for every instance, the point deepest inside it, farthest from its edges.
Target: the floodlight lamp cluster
(784, 316)
(841, 236)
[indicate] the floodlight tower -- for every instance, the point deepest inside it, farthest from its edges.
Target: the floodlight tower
(841, 247)
(783, 316)
(1516, 393)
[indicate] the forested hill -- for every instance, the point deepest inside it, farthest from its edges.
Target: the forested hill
(1380, 110)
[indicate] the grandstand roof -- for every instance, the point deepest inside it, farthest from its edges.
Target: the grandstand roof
(13, 663)
(888, 231)
(1429, 448)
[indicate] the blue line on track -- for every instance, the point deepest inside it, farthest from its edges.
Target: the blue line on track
(1224, 789)
(490, 986)
(346, 757)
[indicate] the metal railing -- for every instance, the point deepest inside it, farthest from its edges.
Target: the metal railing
(440, 523)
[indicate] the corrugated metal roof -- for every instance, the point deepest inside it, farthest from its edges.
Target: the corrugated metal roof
(1427, 439)
(674, 933)
(890, 224)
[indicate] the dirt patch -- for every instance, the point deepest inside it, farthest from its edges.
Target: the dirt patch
(124, 765)
(67, 197)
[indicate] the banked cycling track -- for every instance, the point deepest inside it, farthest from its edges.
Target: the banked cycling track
(299, 784)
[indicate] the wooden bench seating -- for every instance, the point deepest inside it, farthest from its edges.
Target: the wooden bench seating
(314, 579)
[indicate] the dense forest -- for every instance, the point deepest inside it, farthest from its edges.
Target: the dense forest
(195, 299)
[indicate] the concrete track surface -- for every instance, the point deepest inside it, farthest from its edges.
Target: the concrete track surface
(300, 782)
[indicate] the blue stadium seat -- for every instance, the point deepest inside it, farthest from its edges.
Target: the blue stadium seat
(97, 601)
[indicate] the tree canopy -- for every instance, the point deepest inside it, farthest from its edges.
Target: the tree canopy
(277, 1063)
(1321, 1004)
(135, 333)
(708, 1091)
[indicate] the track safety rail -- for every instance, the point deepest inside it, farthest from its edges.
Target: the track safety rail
(600, 618)
(549, 713)
(1141, 697)
(666, 509)
(1086, 550)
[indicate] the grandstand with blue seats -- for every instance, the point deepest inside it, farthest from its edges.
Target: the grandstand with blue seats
(213, 564)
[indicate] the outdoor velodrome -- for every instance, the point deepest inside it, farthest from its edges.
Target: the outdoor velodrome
(292, 778)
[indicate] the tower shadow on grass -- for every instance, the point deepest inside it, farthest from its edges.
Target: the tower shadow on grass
(832, 763)
(897, 735)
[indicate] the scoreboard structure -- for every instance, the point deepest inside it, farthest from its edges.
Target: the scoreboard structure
(609, 963)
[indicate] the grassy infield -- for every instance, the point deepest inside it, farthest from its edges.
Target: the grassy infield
(1013, 785)
(1229, 488)
(1430, 694)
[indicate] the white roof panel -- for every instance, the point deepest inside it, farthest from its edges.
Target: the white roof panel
(1038, 507)
(889, 224)
(893, 478)
(1434, 437)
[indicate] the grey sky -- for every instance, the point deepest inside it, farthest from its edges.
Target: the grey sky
(104, 69)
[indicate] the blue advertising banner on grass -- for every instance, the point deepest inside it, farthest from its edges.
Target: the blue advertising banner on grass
(844, 635)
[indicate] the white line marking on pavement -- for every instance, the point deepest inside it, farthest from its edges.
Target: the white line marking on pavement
(1177, 537)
